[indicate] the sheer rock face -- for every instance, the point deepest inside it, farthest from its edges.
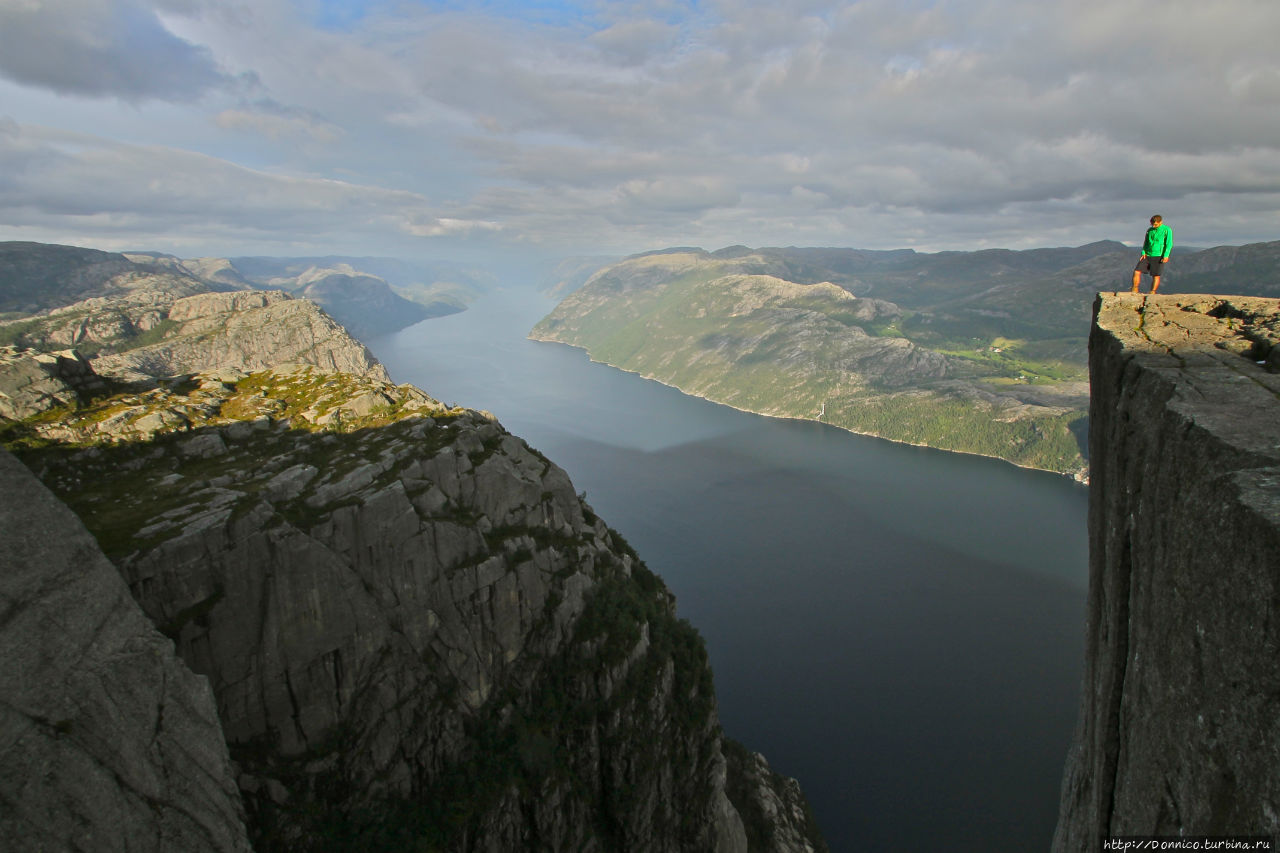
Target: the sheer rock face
(1179, 728)
(414, 631)
(413, 628)
(108, 742)
(773, 808)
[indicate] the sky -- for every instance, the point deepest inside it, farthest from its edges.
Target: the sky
(460, 129)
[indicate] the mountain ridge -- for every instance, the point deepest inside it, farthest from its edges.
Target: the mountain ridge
(414, 631)
(980, 352)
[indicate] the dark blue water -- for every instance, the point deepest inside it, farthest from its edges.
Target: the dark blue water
(899, 628)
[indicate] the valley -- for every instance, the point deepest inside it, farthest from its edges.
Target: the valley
(978, 352)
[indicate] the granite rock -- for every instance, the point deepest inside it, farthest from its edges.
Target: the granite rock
(412, 625)
(108, 742)
(32, 382)
(247, 331)
(1179, 726)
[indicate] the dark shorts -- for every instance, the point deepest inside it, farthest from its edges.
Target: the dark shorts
(1150, 266)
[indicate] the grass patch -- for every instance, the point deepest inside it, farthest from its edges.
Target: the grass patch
(1047, 443)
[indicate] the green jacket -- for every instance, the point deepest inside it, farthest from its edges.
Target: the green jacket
(1159, 242)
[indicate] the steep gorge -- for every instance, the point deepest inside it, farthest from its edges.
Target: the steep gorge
(415, 633)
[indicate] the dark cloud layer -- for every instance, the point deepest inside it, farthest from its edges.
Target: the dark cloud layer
(99, 48)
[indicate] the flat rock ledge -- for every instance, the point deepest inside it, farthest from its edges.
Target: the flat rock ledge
(1179, 726)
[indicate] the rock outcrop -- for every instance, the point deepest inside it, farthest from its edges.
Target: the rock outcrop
(1179, 728)
(775, 814)
(108, 742)
(137, 304)
(32, 382)
(140, 317)
(245, 330)
(415, 631)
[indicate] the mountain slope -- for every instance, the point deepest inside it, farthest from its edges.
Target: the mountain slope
(39, 276)
(415, 631)
(982, 352)
(416, 634)
(720, 328)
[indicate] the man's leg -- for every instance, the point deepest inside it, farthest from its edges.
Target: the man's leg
(1137, 277)
(1155, 283)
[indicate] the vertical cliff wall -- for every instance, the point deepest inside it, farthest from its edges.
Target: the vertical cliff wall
(417, 635)
(1179, 728)
(108, 742)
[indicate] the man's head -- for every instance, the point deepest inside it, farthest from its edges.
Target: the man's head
(1157, 219)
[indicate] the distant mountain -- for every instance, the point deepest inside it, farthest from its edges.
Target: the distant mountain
(571, 273)
(101, 303)
(439, 285)
(39, 276)
(217, 272)
(981, 352)
(365, 304)
(36, 277)
(1252, 270)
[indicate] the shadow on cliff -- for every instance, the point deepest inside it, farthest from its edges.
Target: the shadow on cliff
(415, 633)
(1080, 431)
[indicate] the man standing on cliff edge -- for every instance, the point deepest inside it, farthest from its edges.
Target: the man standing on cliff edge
(1155, 253)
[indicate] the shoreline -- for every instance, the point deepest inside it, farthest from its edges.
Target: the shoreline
(1073, 478)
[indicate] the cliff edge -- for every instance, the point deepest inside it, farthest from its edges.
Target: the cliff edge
(107, 740)
(415, 632)
(396, 625)
(1179, 727)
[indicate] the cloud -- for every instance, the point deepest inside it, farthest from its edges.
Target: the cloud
(633, 42)
(675, 195)
(277, 122)
(447, 227)
(876, 123)
(101, 48)
(54, 179)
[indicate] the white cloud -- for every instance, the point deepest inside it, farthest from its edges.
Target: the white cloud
(277, 123)
(875, 123)
(634, 42)
(678, 195)
(447, 227)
